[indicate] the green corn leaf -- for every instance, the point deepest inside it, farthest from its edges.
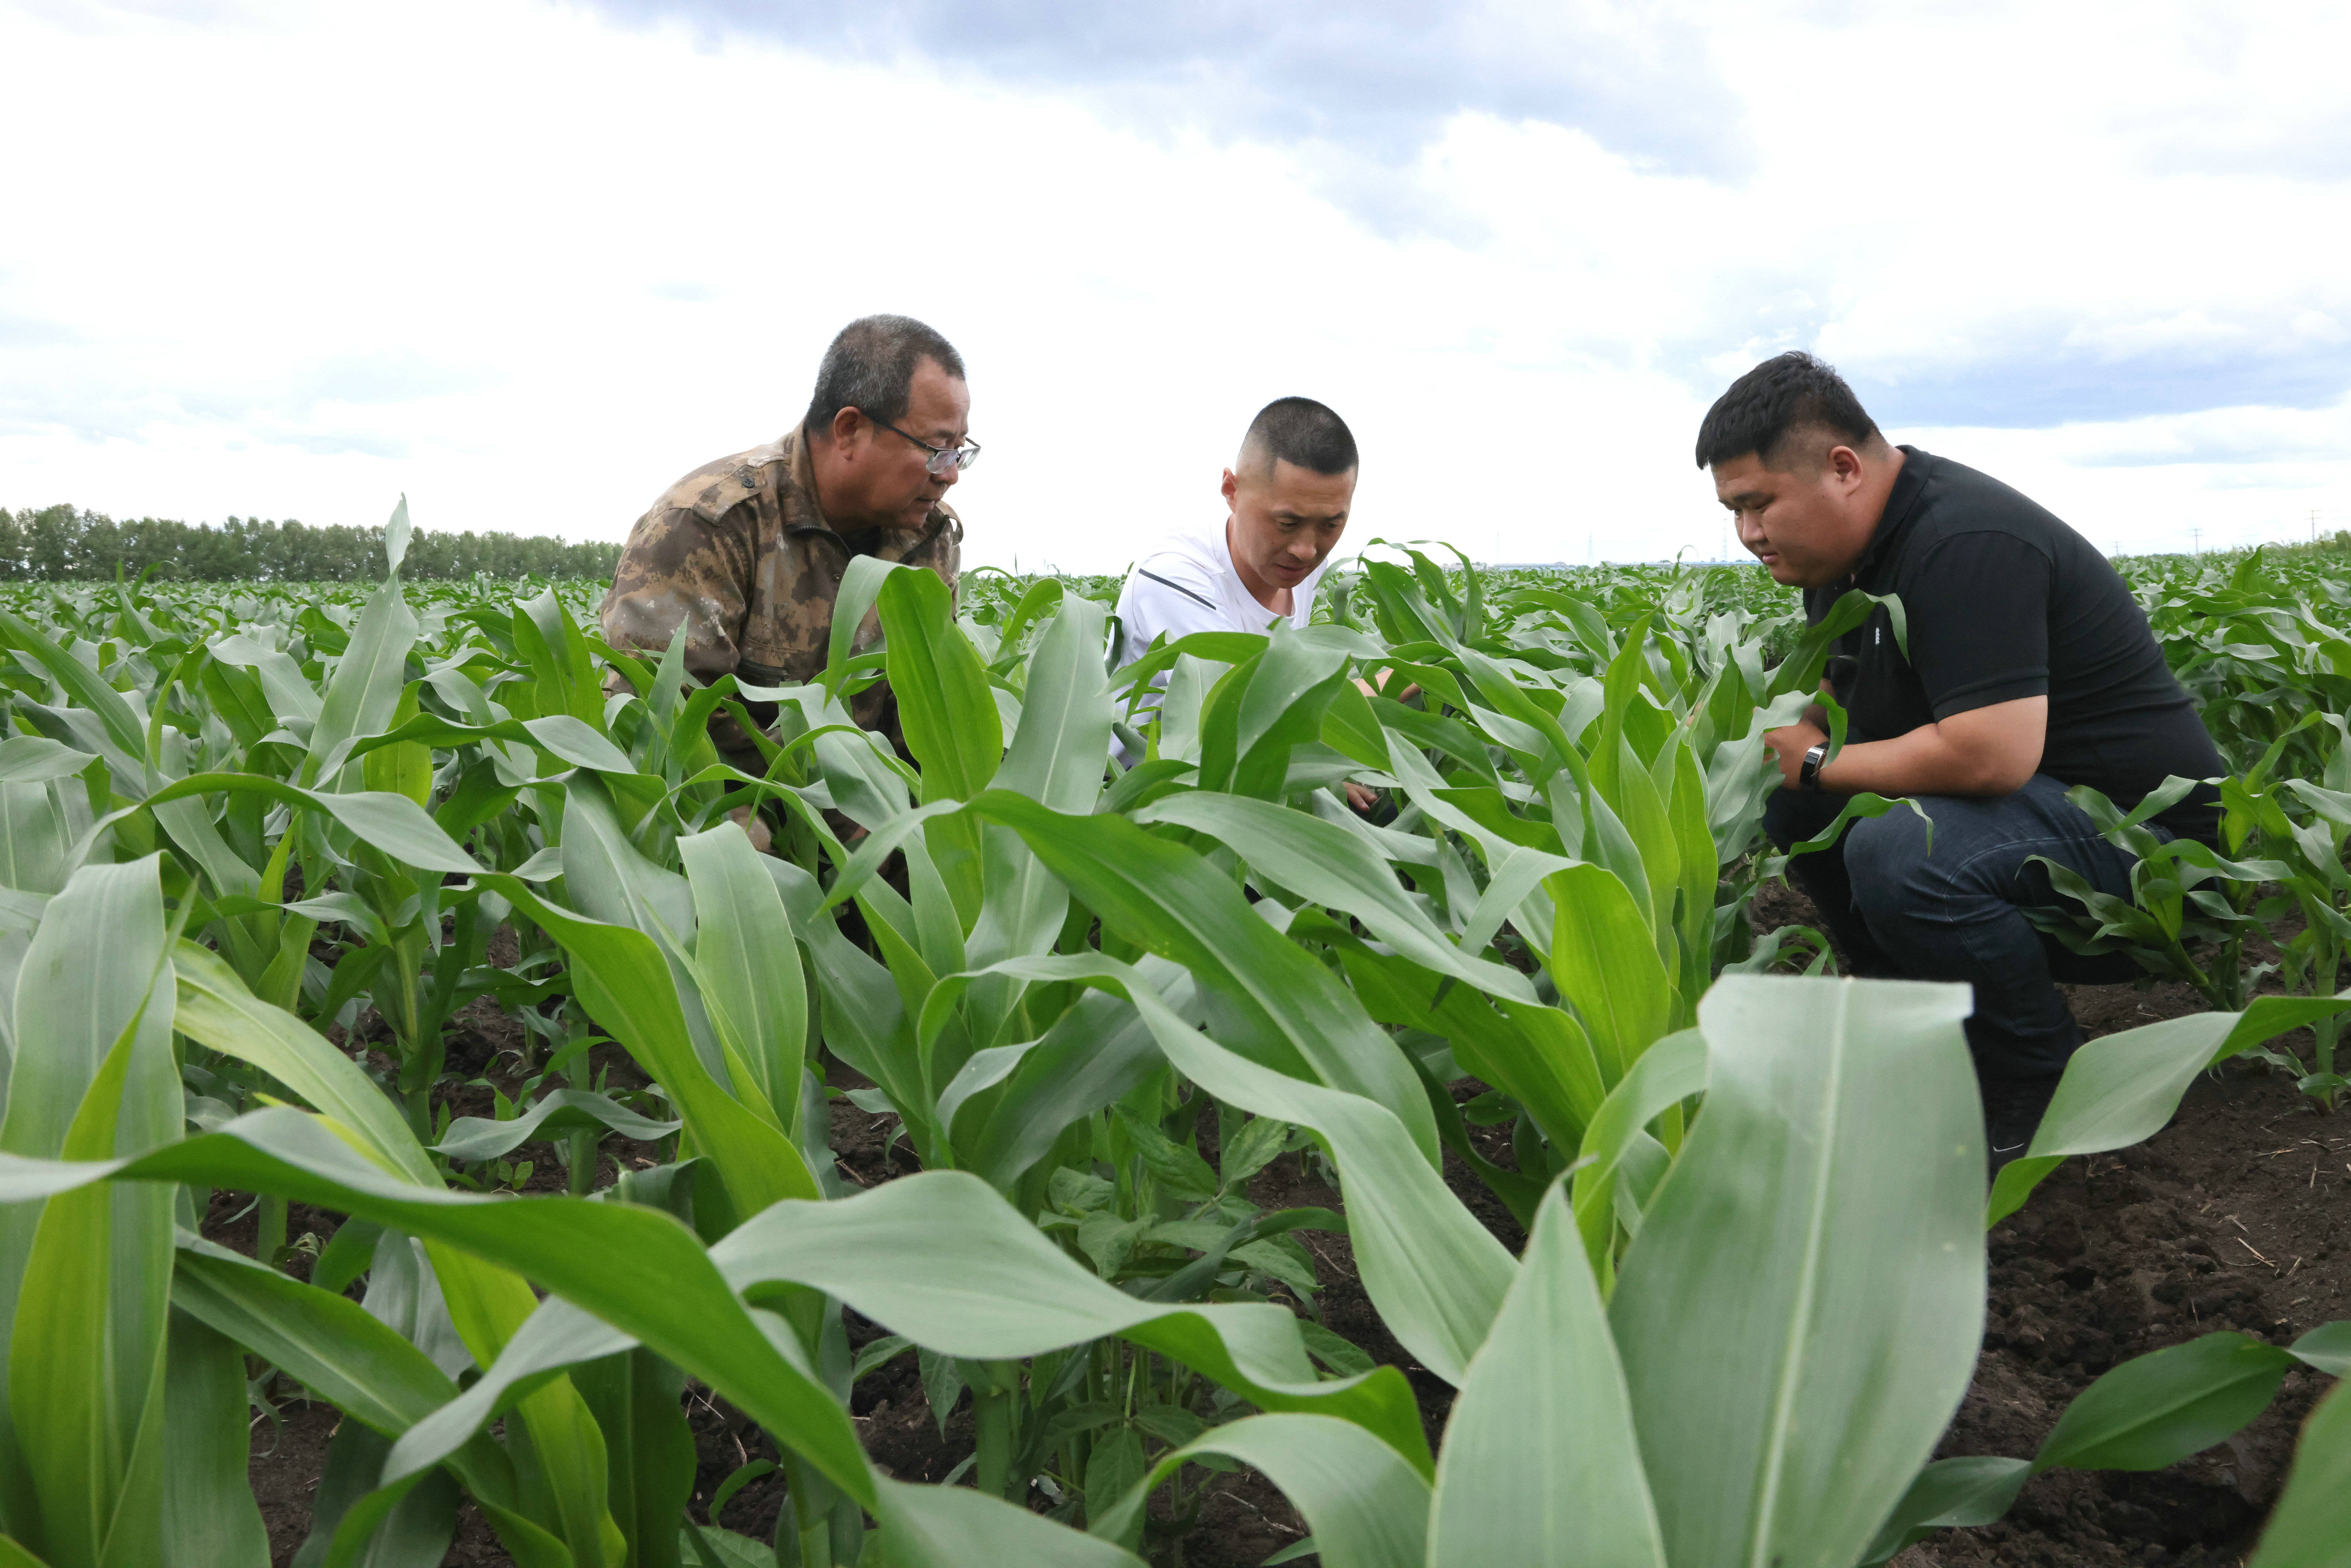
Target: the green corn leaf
(626, 986)
(555, 1337)
(2311, 1525)
(215, 1009)
(2157, 1409)
(84, 1279)
(334, 1347)
(1291, 1012)
(942, 688)
(35, 759)
(701, 1546)
(83, 684)
(392, 823)
(354, 1524)
(747, 961)
(1006, 1107)
(1604, 960)
(1436, 1274)
(567, 738)
(365, 692)
(1331, 866)
(940, 1258)
(1538, 1055)
(2121, 1089)
(956, 1527)
(489, 1303)
(210, 1517)
(1541, 1464)
(1785, 1394)
(1962, 1493)
(1695, 844)
(671, 1298)
(949, 717)
(77, 1405)
(1057, 759)
(1505, 897)
(638, 1402)
(1264, 708)
(1367, 1507)
(546, 636)
(405, 768)
(2326, 1347)
(853, 610)
(864, 1019)
(1179, 1170)
(1667, 1073)
(563, 1111)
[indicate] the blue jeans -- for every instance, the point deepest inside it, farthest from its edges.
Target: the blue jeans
(1898, 910)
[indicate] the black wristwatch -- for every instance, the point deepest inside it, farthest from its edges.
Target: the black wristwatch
(1807, 776)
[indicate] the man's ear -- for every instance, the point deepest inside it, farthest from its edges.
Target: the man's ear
(846, 424)
(1231, 489)
(1844, 466)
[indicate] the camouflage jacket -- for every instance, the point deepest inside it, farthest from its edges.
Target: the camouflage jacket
(739, 553)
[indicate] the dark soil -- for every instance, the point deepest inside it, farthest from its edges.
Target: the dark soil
(482, 1043)
(2237, 1215)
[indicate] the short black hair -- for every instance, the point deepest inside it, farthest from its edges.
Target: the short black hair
(1785, 392)
(1301, 431)
(871, 367)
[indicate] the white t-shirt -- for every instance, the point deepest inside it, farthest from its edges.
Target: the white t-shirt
(1186, 584)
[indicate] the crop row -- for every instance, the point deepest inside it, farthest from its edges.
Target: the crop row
(268, 851)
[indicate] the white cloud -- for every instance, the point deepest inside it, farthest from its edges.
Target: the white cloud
(528, 266)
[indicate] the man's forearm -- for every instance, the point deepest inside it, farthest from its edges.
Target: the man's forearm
(1923, 762)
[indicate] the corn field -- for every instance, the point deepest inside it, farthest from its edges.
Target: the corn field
(262, 847)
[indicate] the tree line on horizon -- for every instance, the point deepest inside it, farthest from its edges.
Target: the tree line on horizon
(64, 543)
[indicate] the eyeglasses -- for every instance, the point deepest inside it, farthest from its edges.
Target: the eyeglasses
(943, 458)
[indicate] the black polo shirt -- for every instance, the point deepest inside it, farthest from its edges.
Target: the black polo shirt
(2003, 600)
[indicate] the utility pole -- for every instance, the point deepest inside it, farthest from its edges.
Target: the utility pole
(2314, 524)
(2196, 539)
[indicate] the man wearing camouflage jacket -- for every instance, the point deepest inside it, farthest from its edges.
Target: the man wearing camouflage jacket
(748, 552)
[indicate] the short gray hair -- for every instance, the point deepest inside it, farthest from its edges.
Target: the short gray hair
(871, 367)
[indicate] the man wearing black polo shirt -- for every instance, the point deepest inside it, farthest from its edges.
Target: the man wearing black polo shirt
(2029, 670)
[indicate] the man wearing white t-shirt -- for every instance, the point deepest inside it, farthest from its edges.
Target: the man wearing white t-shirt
(1286, 501)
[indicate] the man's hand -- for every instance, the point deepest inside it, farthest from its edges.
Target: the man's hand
(1362, 796)
(753, 827)
(1789, 745)
(1374, 688)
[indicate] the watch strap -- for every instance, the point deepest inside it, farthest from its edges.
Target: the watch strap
(1807, 776)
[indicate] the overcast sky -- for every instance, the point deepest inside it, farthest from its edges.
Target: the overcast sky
(529, 262)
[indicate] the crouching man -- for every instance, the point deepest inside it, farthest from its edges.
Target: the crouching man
(2030, 669)
(744, 557)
